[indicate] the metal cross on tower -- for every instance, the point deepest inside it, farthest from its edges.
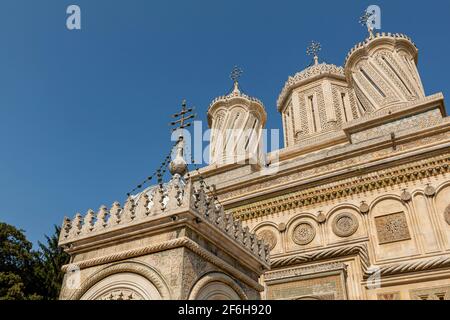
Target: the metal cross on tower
(313, 50)
(184, 115)
(366, 20)
(236, 74)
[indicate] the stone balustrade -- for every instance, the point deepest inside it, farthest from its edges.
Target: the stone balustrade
(148, 205)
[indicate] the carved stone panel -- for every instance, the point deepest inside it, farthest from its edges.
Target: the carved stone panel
(345, 224)
(326, 287)
(304, 233)
(392, 228)
(269, 237)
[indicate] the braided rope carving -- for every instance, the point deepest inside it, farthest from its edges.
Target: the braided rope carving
(359, 249)
(441, 262)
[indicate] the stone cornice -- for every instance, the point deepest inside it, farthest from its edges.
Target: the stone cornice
(167, 245)
(343, 188)
(395, 112)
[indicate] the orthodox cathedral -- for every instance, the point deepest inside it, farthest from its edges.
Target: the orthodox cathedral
(355, 206)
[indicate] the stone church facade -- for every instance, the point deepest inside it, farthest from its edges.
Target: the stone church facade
(355, 206)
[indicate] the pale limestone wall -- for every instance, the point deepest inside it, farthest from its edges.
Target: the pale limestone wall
(407, 230)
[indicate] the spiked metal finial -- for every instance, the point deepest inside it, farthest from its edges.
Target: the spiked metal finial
(313, 50)
(366, 20)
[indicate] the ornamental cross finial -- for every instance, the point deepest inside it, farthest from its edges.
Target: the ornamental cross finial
(183, 116)
(367, 20)
(235, 74)
(313, 50)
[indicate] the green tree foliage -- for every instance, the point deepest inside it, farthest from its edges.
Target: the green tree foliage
(28, 274)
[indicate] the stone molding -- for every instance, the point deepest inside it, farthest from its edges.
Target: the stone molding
(167, 245)
(304, 271)
(371, 181)
(174, 198)
(423, 265)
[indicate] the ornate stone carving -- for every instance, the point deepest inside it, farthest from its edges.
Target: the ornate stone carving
(430, 191)
(406, 196)
(420, 121)
(311, 72)
(345, 224)
(364, 208)
(303, 233)
(269, 237)
(121, 295)
(392, 228)
(282, 227)
(321, 218)
(447, 215)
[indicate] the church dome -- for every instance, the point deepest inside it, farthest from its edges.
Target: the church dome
(235, 97)
(236, 121)
(306, 76)
(382, 70)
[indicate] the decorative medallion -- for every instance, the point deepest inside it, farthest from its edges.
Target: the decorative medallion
(392, 228)
(447, 214)
(405, 196)
(281, 227)
(321, 217)
(269, 238)
(364, 208)
(304, 233)
(430, 191)
(345, 224)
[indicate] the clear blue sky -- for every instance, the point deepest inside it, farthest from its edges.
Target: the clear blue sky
(83, 114)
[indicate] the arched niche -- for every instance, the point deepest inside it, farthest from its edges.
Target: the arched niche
(216, 286)
(132, 277)
(344, 222)
(123, 286)
(442, 204)
(268, 231)
(391, 228)
(302, 231)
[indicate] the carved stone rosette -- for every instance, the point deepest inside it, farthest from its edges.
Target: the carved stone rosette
(269, 237)
(303, 233)
(345, 224)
